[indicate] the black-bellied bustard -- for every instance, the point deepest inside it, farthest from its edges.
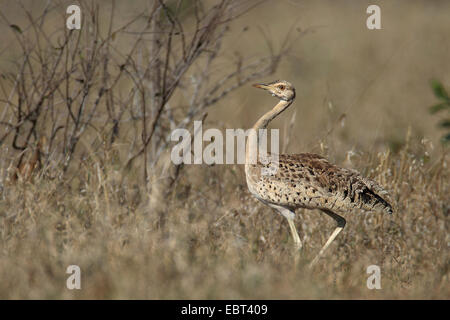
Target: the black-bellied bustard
(307, 180)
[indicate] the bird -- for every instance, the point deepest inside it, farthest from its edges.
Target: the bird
(307, 180)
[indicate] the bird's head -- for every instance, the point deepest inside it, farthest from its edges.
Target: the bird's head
(280, 88)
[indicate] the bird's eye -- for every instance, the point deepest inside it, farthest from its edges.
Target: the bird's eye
(281, 87)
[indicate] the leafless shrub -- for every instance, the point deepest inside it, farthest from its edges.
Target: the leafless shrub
(110, 80)
(106, 98)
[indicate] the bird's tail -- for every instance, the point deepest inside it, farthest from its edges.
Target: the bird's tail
(374, 197)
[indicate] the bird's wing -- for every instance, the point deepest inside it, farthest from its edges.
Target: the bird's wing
(341, 188)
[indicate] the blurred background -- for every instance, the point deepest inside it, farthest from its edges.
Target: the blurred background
(85, 123)
(376, 81)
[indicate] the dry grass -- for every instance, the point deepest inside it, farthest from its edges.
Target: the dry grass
(221, 243)
(205, 237)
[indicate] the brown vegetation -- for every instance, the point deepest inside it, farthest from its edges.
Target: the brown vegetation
(30, 162)
(108, 199)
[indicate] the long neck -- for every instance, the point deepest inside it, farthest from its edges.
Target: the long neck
(262, 123)
(272, 114)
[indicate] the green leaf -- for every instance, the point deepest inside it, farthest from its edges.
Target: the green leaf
(16, 28)
(439, 90)
(446, 138)
(445, 123)
(438, 107)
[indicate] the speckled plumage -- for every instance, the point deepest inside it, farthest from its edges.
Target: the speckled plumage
(307, 180)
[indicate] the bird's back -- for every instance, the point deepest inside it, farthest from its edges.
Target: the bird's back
(308, 180)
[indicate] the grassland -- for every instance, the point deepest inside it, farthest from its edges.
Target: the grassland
(195, 232)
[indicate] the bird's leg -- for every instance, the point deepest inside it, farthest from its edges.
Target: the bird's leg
(297, 241)
(289, 214)
(340, 225)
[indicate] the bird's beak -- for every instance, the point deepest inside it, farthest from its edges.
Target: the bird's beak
(261, 86)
